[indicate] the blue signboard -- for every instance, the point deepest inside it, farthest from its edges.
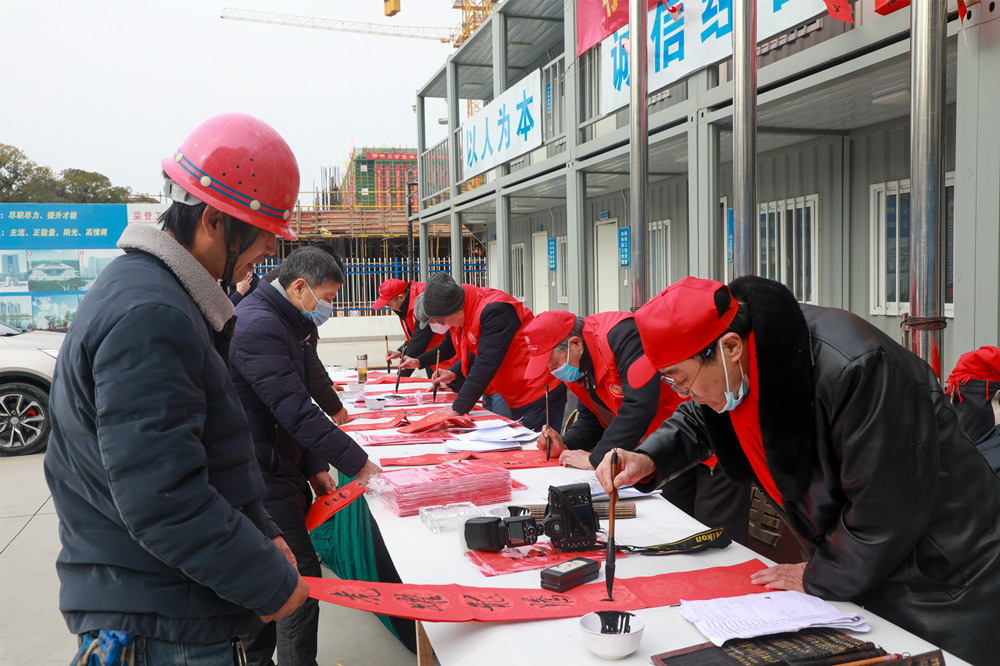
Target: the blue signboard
(50, 254)
(624, 247)
(552, 255)
(730, 251)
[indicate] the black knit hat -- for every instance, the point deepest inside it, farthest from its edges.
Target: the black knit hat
(442, 296)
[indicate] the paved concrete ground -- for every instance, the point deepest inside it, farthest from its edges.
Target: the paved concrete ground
(32, 631)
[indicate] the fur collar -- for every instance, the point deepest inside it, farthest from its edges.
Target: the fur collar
(203, 289)
(785, 366)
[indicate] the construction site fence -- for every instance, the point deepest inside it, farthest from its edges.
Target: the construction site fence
(362, 278)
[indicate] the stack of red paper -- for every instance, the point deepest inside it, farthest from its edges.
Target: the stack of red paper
(406, 490)
(438, 421)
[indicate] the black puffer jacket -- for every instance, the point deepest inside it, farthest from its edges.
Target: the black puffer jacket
(150, 463)
(271, 359)
(902, 511)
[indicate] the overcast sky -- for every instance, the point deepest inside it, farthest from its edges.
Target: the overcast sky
(113, 86)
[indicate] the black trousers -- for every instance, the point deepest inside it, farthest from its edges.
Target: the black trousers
(710, 497)
(294, 636)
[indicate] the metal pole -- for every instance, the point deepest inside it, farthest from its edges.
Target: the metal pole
(928, 23)
(638, 148)
(744, 136)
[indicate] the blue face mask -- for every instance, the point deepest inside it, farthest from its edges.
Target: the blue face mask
(733, 401)
(321, 312)
(566, 373)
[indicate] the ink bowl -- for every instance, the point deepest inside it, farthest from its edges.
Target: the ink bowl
(612, 634)
(372, 402)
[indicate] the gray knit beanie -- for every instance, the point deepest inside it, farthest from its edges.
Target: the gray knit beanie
(442, 297)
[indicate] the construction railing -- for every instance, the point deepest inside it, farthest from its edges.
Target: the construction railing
(362, 278)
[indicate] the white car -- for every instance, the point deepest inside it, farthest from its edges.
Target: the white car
(27, 361)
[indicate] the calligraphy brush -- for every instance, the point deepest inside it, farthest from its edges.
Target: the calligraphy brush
(437, 362)
(548, 440)
(609, 565)
(400, 372)
(388, 361)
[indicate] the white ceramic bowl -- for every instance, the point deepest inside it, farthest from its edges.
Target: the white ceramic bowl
(374, 403)
(611, 646)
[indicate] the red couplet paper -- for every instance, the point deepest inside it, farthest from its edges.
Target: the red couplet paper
(327, 505)
(438, 421)
(519, 459)
(368, 439)
(398, 419)
(527, 558)
(425, 459)
(406, 490)
(462, 603)
(524, 459)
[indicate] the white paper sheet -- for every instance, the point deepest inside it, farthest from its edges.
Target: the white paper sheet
(766, 613)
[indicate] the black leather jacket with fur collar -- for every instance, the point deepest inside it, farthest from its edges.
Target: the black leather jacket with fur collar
(901, 510)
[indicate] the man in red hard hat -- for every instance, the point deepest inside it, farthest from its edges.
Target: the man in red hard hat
(593, 355)
(401, 297)
(167, 550)
(850, 436)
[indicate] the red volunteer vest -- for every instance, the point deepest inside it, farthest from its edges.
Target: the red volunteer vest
(410, 323)
(609, 384)
(509, 379)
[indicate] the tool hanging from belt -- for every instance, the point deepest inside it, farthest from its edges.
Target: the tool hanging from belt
(106, 648)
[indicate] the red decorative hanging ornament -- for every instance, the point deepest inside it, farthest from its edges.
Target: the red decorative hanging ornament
(840, 10)
(886, 7)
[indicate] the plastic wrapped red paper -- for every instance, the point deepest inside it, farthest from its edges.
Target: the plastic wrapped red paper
(523, 459)
(406, 490)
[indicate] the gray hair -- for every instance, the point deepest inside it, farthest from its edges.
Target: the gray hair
(311, 264)
(576, 332)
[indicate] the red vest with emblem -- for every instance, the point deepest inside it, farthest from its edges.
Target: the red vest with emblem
(609, 384)
(410, 323)
(509, 379)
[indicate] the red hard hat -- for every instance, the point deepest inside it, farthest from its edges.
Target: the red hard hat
(242, 166)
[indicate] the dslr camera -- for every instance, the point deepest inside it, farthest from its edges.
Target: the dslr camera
(570, 523)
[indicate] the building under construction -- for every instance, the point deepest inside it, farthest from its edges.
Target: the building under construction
(362, 211)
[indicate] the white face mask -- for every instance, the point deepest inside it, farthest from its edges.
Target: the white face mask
(440, 328)
(733, 402)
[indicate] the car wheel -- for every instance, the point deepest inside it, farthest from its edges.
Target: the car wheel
(24, 419)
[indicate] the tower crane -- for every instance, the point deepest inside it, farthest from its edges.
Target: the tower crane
(444, 35)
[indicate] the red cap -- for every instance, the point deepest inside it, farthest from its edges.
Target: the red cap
(678, 323)
(543, 333)
(389, 290)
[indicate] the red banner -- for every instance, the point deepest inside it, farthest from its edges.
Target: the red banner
(596, 19)
(463, 603)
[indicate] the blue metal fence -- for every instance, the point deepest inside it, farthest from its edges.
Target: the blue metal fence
(362, 278)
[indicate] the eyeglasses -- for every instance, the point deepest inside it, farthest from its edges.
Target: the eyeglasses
(684, 388)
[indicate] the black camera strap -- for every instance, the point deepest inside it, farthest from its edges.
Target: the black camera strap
(714, 538)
